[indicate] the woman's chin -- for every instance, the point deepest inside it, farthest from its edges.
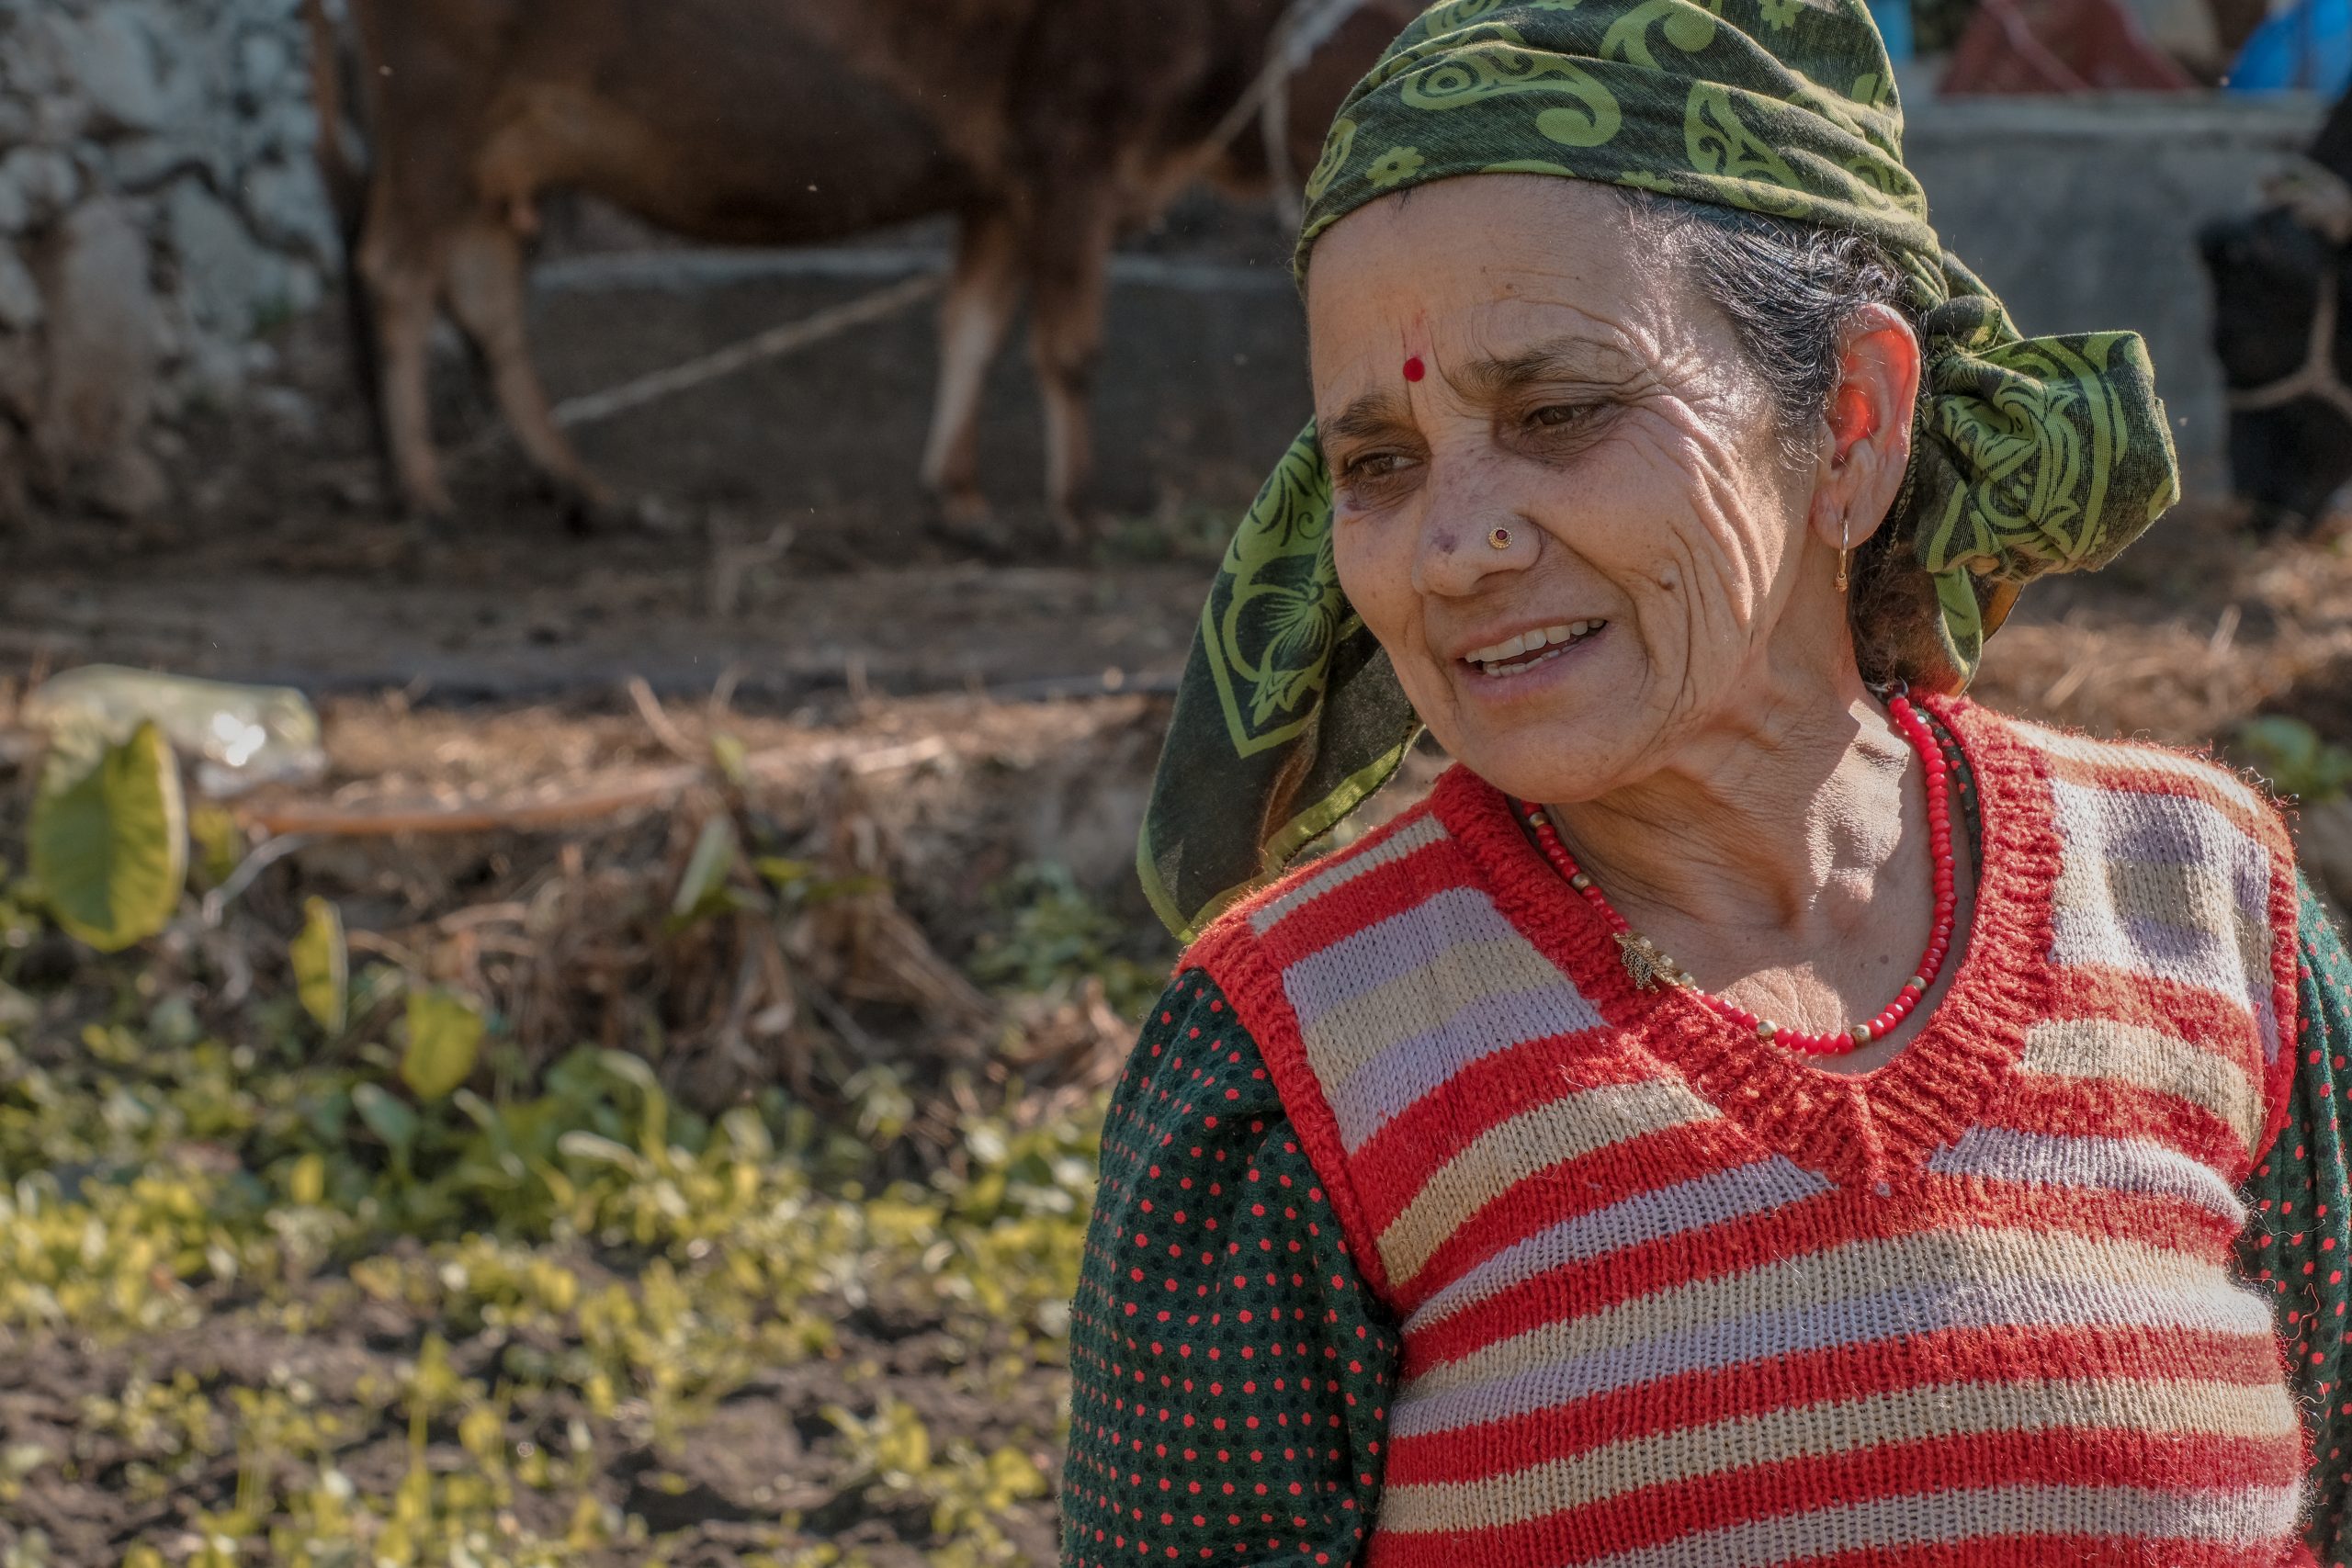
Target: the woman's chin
(1546, 734)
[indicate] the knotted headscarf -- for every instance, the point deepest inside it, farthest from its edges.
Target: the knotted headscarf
(2030, 455)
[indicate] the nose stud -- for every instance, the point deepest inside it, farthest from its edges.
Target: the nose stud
(1498, 537)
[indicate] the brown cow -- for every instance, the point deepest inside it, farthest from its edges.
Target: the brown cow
(1045, 126)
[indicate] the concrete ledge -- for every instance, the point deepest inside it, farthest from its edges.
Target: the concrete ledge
(2286, 120)
(2083, 213)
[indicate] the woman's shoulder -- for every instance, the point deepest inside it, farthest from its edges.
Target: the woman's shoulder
(2094, 774)
(1404, 856)
(1196, 1070)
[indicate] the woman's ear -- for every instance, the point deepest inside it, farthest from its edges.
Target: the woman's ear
(1867, 426)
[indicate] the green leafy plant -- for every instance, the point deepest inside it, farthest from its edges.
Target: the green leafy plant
(2294, 757)
(444, 1043)
(566, 1276)
(1053, 936)
(110, 842)
(321, 961)
(584, 1274)
(702, 887)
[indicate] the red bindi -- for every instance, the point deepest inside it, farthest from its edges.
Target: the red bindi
(1415, 370)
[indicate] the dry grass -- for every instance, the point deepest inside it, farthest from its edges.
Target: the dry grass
(2187, 646)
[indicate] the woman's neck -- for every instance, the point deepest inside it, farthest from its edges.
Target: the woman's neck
(1782, 818)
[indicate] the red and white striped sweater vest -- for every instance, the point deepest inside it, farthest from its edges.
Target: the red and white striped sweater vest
(1672, 1297)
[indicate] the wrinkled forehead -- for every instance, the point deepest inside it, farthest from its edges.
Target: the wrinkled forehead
(1493, 265)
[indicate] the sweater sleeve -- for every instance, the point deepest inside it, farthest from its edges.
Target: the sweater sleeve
(2300, 1233)
(1230, 1371)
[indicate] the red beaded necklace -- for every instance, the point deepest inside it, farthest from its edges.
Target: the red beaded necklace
(1649, 967)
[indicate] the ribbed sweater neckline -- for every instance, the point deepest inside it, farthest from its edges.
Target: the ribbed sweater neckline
(1876, 1128)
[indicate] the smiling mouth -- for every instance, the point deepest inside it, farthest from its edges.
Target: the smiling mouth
(1518, 655)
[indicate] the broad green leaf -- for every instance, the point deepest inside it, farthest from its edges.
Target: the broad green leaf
(2295, 757)
(705, 881)
(307, 1184)
(387, 1118)
(731, 760)
(219, 842)
(110, 846)
(323, 967)
(444, 1042)
(653, 1131)
(595, 1147)
(785, 874)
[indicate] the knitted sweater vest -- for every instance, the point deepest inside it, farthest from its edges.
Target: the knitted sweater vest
(1671, 1296)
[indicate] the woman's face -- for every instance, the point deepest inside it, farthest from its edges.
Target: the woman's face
(1499, 353)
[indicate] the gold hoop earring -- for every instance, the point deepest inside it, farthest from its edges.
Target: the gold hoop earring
(1844, 552)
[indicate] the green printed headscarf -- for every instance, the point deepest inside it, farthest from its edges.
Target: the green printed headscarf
(2030, 456)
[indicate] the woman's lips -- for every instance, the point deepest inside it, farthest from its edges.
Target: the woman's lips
(1515, 655)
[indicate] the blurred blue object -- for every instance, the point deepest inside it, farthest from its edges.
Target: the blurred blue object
(1894, 19)
(2307, 46)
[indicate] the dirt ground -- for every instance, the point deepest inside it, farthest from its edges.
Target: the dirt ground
(716, 1494)
(779, 529)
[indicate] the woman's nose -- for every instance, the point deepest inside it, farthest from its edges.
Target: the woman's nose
(1468, 537)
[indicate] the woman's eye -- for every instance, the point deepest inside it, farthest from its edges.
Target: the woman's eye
(1554, 415)
(1377, 466)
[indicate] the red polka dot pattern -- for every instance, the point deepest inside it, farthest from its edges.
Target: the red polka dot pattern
(2295, 1247)
(1231, 1373)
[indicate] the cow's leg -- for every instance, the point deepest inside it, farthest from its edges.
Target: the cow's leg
(486, 294)
(1070, 265)
(972, 322)
(402, 291)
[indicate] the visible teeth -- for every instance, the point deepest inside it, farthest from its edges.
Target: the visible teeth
(1504, 672)
(1496, 660)
(1503, 650)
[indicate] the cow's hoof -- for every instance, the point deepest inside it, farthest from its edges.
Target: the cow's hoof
(590, 510)
(430, 508)
(1077, 531)
(961, 506)
(964, 522)
(988, 541)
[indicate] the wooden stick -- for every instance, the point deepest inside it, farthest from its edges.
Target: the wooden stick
(541, 810)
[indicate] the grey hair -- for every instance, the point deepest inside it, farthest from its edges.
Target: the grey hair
(1787, 289)
(1787, 286)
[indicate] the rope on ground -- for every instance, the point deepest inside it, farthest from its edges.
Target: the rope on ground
(774, 343)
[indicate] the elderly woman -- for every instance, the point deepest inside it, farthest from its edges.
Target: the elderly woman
(1761, 1108)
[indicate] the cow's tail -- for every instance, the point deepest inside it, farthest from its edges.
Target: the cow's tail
(343, 170)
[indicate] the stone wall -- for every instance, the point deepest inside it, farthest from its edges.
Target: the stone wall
(160, 212)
